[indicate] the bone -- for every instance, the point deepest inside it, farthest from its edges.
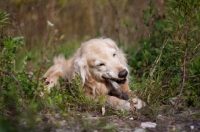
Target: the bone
(119, 90)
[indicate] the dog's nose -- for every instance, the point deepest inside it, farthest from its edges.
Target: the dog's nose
(123, 73)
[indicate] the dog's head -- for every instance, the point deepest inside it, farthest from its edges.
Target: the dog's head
(102, 60)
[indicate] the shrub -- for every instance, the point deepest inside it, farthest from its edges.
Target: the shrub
(21, 106)
(170, 57)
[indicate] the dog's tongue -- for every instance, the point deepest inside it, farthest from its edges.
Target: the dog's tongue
(119, 90)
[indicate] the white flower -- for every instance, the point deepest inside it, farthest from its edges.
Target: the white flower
(49, 23)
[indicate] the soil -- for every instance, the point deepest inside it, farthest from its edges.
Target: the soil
(186, 121)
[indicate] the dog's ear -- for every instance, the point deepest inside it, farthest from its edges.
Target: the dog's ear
(122, 57)
(81, 68)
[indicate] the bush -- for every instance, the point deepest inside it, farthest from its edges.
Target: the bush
(168, 60)
(20, 102)
(166, 67)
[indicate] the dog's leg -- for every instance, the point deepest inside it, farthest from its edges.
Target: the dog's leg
(51, 77)
(121, 104)
(117, 103)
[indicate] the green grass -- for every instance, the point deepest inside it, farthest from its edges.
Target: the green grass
(156, 76)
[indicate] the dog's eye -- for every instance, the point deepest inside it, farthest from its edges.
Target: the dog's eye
(101, 64)
(114, 55)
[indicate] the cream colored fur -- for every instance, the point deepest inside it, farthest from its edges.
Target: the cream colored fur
(98, 62)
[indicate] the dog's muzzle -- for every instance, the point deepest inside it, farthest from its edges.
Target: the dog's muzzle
(123, 73)
(122, 77)
(119, 81)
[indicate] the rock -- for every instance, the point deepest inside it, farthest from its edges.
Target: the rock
(148, 125)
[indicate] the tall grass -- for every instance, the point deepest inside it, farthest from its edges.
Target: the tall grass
(168, 61)
(164, 70)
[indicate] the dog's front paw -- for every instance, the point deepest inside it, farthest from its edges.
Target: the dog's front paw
(137, 103)
(49, 83)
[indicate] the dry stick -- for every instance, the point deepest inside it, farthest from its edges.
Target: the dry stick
(18, 86)
(194, 76)
(119, 91)
(184, 69)
(184, 74)
(194, 52)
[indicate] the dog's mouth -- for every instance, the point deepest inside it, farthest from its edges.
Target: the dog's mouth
(119, 81)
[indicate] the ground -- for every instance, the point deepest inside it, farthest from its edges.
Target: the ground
(95, 122)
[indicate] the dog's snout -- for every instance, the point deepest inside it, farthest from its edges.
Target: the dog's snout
(123, 73)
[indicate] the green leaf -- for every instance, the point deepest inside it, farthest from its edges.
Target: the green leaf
(102, 99)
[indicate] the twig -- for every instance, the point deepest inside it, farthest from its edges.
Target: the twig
(97, 118)
(196, 47)
(184, 69)
(194, 76)
(184, 73)
(197, 84)
(193, 52)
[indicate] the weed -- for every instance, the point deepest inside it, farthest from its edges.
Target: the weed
(21, 106)
(164, 71)
(168, 60)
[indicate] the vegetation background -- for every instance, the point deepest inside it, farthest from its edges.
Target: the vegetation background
(161, 39)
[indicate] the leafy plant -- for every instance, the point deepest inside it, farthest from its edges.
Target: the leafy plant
(174, 47)
(3, 19)
(22, 91)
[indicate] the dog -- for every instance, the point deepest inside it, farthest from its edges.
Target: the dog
(103, 69)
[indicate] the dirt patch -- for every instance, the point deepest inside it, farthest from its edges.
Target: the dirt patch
(184, 121)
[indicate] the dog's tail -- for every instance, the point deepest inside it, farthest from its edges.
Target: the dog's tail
(63, 66)
(59, 59)
(59, 62)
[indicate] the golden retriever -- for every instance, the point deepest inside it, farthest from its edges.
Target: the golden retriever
(102, 67)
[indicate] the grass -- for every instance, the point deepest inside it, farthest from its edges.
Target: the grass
(67, 105)
(157, 76)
